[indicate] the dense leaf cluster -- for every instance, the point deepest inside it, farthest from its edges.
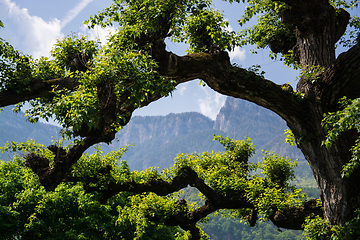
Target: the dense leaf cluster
(191, 21)
(74, 206)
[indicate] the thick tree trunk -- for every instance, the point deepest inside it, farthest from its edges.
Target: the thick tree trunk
(338, 195)
(318, 28)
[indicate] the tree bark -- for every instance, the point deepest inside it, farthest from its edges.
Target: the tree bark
(37, 88)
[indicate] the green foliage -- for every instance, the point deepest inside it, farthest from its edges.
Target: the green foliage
(224, 172)
(192, 21)
(268, 27)
(349, 38)
(274, 190)
(290, 137)
(125, 61)
(336, 123)
(98, 166)
(16, 68)
(126, 66)
(311, 73)
(350, 228)
(316, 228)
(269, 23)
(69, 212)
(26, 147)
(256, 69)
(131, 73)
(278, 169)
(72, 44)
(205, 29)
(28, 211)
(228, 174)
(144, 208)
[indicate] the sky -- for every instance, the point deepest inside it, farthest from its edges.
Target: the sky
(33, 27)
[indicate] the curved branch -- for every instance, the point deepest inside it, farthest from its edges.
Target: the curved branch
(160, 187)
(187, 219)
(294, 217)
(51, 177)
(37, 88)
(216, 70)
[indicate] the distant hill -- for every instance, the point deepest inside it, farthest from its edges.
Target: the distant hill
(158, 139)
(240, 118)
(14, 127)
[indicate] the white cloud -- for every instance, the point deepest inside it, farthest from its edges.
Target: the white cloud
(37, 36)
(211, 104)
(228, 28)
(182, 88)
(98, 33)
(74, 12)
(237, 54)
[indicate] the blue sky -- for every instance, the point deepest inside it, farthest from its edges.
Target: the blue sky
(33, 27)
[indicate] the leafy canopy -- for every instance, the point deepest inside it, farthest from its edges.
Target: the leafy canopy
(132, 74)
(73, 213)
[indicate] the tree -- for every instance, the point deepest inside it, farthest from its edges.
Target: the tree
(92, 91)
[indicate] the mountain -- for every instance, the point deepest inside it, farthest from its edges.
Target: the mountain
(158, 139)
(14, 127)
(163, 128)
(240, 119)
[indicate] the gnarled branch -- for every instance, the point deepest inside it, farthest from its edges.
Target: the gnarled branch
(37, 88)
(188, 219)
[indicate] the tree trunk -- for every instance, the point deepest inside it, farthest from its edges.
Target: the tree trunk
(317, 30)
(338, 195)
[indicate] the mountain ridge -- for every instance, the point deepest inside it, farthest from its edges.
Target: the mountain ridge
(158, 139)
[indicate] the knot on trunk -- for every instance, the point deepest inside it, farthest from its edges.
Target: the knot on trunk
(282, 43)
(37, 164)
(78, 62)
(59, 152)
